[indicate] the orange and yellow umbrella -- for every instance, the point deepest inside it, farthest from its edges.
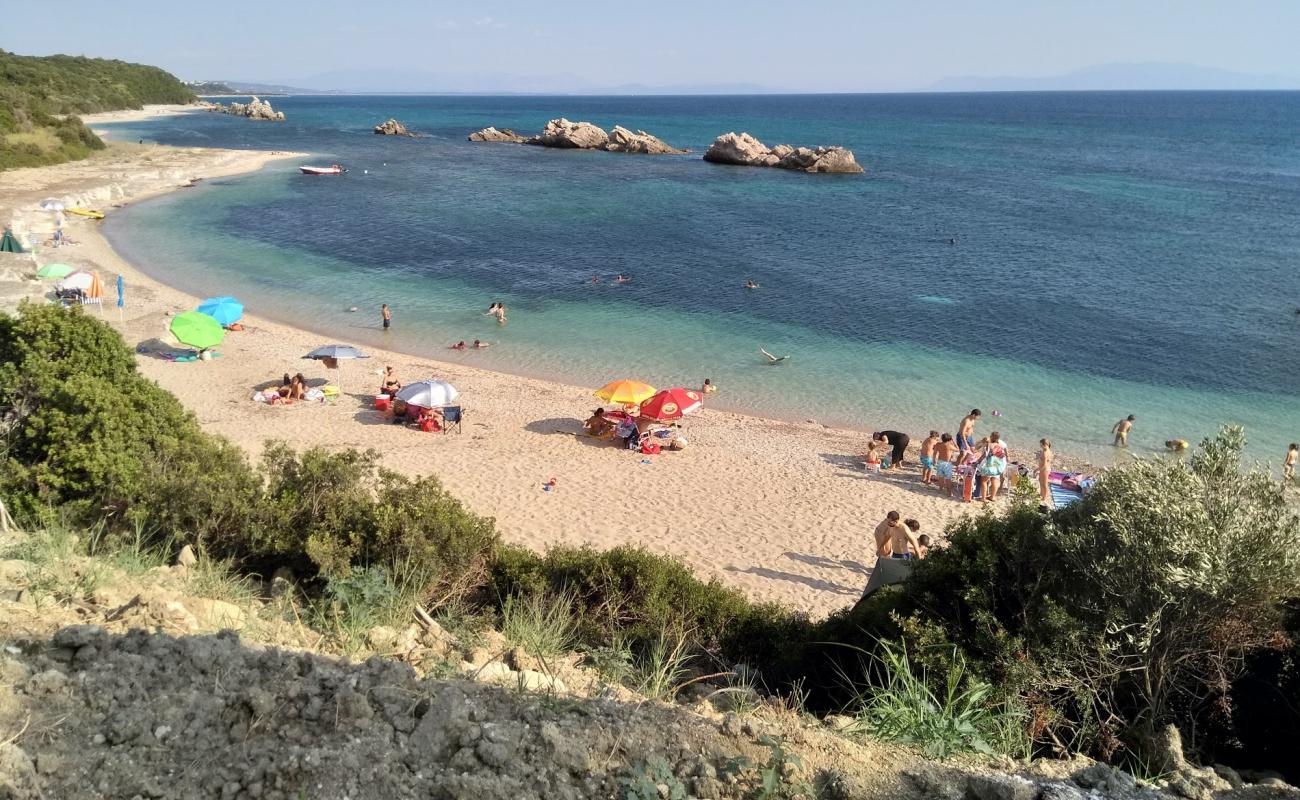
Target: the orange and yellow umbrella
(625, 392)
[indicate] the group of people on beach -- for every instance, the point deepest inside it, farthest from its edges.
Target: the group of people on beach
(900, 538)
(944, 455)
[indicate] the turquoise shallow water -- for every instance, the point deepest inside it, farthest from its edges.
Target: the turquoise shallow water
(1115, 254)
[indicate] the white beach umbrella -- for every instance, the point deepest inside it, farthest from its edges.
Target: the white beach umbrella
(77, 280)
(52, 204)
(428, 394)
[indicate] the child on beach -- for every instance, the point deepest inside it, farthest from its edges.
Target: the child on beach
(927, 457)
(944, 453)
(872, 457)
(922, 544)
(1288, 466)
(1044, 469)
(708, 387)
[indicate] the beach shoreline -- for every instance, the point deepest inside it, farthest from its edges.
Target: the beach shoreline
(782, 510)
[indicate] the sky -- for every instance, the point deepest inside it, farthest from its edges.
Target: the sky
(816, 45)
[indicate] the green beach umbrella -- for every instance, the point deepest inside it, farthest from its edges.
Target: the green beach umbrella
(55, 271)
(9, 243)
(197, 330)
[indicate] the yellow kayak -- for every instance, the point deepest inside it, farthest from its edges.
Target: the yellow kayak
(86, 212)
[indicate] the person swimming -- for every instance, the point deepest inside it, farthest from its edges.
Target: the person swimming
(621, 278)
(751, 285)
(771, 359)
(594, 279)
(480, 345)
(458, 345)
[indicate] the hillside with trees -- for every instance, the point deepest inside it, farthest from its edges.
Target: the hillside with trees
(41, 96)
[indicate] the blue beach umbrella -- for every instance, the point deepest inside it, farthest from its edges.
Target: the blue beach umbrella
(121, 292)
(226, 310)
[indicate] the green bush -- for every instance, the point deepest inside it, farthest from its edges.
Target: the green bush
(1130, 610)
(87, 439)
(627, 591)
(325, 513)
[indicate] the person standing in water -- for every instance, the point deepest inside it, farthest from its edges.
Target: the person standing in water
(1288, 466)
(708, 387)
(387, 314)
(1121, 430)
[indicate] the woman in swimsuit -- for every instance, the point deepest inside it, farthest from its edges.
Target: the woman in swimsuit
(391, 384)
(992, 464)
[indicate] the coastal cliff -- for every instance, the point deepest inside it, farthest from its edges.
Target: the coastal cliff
(744, 150)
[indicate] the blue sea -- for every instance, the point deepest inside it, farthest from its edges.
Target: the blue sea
(1063, 259)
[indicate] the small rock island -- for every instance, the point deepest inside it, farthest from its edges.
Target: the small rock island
(394, 128)
(562, 133)
(254, 109)
(744, 150)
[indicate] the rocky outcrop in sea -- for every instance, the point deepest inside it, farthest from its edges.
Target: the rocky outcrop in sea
(494, 135)
(254, 109)
(744, 150)
(564, 134)
(394, 128)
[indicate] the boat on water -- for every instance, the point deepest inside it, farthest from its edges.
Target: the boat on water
(332, 169)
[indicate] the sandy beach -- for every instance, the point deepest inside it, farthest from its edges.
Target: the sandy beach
(783, 511)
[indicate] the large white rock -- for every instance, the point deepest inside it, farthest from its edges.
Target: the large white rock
(490, 134)
(575, 135)
(744, 150)
(622, 140)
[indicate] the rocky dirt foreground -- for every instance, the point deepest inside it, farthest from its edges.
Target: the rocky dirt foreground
(117, 684)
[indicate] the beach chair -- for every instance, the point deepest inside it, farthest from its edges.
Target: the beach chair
(452, 416)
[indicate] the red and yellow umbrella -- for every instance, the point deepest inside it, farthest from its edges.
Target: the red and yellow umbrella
(672, 404)
(625, 392)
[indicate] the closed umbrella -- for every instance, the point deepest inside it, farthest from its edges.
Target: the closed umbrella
(77, 280)
(226, 310)
(121, 298)
(197, 330)
(9, 243)
(95, 293)
(428, 394)
(625, 392)
(55, 271)
(672, 404)
(333, 354)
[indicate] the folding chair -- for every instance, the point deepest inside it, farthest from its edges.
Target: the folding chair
(452, 416)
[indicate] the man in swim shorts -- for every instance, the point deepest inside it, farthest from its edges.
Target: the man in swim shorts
(927, 457)
(966, 431)
(1121, 430)
(944, 453)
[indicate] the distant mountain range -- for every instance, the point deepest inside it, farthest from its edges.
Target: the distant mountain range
(1152, 76)
(398, 81)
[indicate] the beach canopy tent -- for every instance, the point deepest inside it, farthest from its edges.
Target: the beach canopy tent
(672, 404)
(428, 394)
(9, 243)
(52, 204)
(226, 310)
(55, 271)
(333, 355)
(77, 280)
(625, 392)
(197, 330)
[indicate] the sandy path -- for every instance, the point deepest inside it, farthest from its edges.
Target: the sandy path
(774, 508)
